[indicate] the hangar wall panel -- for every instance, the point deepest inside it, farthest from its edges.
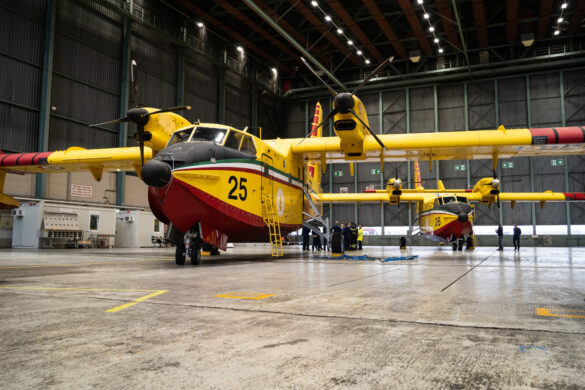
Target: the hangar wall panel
(200, 88)
(21, 60)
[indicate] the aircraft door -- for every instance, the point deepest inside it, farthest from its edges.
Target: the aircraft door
(266, 184)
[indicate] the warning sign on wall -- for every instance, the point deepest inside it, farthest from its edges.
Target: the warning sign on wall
(81, 191)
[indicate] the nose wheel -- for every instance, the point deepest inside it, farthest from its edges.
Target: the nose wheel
(195, 255)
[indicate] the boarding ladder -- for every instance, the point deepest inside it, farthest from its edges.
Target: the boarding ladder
(315, 221)
(270, 217)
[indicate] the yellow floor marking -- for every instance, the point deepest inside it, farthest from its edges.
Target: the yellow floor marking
(77, 264)
(547, 312)
(244, 296)
(113, 310)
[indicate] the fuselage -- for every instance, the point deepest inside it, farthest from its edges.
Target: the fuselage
(448, 218)
(222, 178)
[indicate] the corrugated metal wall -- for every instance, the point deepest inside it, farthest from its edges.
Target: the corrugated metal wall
(486, 109)
(21, 60)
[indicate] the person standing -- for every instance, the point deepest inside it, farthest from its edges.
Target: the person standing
(306, 231)
(325, 235)
(354, 235)
(316, 241)
(516, 238)
(500, 232)
(360, 238)
(346, 231)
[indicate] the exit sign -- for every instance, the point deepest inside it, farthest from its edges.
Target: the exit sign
(376, 171)
(508, 164)
(557, 163)
(460, 167)
(337, 173)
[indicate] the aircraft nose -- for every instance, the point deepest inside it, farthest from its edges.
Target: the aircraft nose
(156, 173)
(462, 217)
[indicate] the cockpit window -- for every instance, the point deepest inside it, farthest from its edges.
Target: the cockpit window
(209, 134)
(449, 199)
(180, 136)
(462, 199)
(233, 140)
(248, 145)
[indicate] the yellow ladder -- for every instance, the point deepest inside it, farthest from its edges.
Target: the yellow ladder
(271, 220)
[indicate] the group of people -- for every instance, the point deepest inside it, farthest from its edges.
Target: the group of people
(353, 236)
(515, 239)
(307, 233)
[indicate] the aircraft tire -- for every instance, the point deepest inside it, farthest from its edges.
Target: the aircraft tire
(460, 244)
(454, 246)
(469, 243)
(195, 255)
(180, 254)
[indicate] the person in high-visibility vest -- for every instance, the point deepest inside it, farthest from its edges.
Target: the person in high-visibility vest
(360, 237)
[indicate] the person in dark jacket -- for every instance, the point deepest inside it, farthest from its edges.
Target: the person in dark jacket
(354, 235)
(324, 238)
(336, 228)
(500, 233)
(346, 231)
(316, 241)
(306, 231)
(516, 238)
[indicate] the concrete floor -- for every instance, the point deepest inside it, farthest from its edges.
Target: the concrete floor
(121, 319)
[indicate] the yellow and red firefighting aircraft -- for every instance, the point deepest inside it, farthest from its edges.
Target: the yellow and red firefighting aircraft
(212, 182)
(446, 215)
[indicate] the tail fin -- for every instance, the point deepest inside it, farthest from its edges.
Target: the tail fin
(314, 170)
(417, 179)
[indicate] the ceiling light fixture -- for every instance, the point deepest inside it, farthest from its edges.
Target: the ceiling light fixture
(431, 29)
(359, 52)
(440, 49)
(240, 49)
(339, 31)
(367, 61)
(200, 24)
(426, 16)
(327, 18)
(314, 3)
(350, 42)
(564, 5)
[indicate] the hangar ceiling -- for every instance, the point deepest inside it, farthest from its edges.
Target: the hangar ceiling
(467, 34)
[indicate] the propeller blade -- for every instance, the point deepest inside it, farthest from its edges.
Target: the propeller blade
(331, 90)
(498, 199)
(125, 119)
(374, 73)
(170, 109)
(140, 132)
(367, 127)
(329, 116)
(133, 82)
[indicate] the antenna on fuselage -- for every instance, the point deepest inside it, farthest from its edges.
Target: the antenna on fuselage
(343, 102)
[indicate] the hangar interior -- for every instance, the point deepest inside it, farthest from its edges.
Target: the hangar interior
(517, 63)
(415, 318)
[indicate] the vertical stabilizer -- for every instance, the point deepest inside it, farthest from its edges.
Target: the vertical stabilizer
(314, 170)
(417, 179)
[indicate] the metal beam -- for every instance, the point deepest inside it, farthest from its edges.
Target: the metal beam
(414, 22)
(290, 39)
(512, 20)
(124, 102)
(564, 123)
(544, 18)
(381, 131)
(380, 19)
(46, 87)
(529, 119)
(577, 18)
(355, 29)
(180, 76)
(221, 95)
(456, 11)
(447, 20)
(480, 25)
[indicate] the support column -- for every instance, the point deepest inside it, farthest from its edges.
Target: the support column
(497, 112)
(564, 123)
(254, 105)
(466, 108)
(381, 131)
(221, 95)
(180, 100)
(330, 128)
(408, 132)
(124, 102)
(436, 110)
(46, 87)
(529, 116)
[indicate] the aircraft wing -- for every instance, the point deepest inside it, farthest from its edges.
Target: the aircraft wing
(453, 145)
(76, 159)
(365, 197)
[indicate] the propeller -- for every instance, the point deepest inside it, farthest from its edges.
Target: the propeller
(396, 184)
(343, 102)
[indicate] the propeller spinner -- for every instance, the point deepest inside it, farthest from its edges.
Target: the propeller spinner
(343, 102)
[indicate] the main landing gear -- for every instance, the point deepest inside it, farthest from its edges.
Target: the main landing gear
(459, 242)
(190, 248)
